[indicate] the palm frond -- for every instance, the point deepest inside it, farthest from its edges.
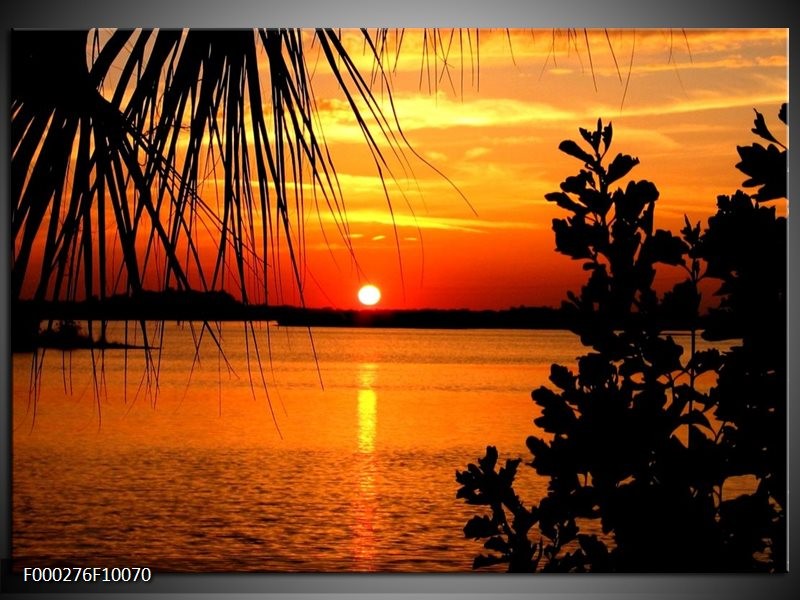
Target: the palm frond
(118, 137)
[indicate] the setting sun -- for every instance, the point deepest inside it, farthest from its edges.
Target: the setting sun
(369, 295)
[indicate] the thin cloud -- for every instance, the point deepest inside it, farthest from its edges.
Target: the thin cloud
(377, 217)
(423, 111)
(699, 103)
(474, 153)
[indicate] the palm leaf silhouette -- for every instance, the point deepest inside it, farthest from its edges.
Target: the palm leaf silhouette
(113, 136)
(117, 137)
(185, 107)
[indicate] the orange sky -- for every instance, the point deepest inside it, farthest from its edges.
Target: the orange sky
(689, 102)
(490, 119)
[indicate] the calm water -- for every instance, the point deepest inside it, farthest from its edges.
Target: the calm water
(358, 474)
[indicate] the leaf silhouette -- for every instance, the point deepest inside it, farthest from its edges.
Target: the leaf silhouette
(562, 377)
(497, 544)
(578, 183)
(619, 167)
(483, 560)
(765, 167)
(571, 239)
(479, 527)
(608, 132)
(593, 138)
(760, 128)
(664, 247)
(565, 202)
(571, 148)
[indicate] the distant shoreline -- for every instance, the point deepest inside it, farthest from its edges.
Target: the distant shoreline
(27, 315)
(220, 306)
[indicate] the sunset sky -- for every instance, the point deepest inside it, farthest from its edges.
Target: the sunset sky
(459, 219)
(494, 131)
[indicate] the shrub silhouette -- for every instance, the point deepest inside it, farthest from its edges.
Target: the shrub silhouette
(745, 247)
(635, 453)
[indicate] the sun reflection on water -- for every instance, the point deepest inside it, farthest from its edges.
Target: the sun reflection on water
(367, 409)
(365, 504)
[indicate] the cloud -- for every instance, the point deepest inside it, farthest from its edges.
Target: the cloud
(473, 153)
(418, 111)
(699, 103)
(378, 217)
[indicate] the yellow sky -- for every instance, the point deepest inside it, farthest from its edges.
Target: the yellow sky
(491, 121)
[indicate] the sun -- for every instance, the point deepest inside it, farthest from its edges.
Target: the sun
(369, 295)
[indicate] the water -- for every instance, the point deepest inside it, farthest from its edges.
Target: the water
(355, 471)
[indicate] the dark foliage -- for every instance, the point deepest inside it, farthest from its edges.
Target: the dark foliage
(637, 454)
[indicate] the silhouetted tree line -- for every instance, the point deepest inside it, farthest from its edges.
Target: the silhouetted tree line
(632, 443)
(183, 305)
